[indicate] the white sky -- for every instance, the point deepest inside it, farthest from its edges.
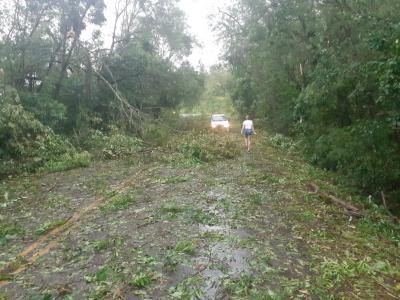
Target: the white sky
(197, 18)
(197, 13)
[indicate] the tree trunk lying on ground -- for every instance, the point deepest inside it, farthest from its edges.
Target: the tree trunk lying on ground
(350, 209)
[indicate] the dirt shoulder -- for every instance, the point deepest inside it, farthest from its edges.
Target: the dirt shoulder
(161, 225)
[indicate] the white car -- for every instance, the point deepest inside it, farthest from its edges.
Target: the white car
(219, 121)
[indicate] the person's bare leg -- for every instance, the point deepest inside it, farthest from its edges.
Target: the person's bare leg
(249, 143)
(245, 142)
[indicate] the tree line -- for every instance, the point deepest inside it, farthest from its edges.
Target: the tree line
(326, 72)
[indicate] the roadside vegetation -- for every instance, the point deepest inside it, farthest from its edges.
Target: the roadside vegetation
(325, 73)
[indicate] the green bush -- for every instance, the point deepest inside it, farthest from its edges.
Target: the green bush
(195, 150)
(156, 134)
(282, 142)
(47, 110)
(27, 144)
(207, 147)
(112, 144)
(20, 131)
(365, 152)
(68, 161)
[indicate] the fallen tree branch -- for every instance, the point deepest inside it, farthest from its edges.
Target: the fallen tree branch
(388, 291)
(133, 111)
(351, 210)
(384, 200)
(133, 115)
(393, 217)
(349, 213)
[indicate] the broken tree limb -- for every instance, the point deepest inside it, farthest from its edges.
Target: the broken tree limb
(133, 110)
(350, 208)
(384, 200)
(133, 115)
(393, 217)
(349, 213)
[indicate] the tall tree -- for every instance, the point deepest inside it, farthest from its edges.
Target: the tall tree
(326, 70)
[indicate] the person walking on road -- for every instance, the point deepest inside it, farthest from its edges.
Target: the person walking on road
(247, 131)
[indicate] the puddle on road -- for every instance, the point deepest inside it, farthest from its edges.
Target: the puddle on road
(240, 233)
(230, 260)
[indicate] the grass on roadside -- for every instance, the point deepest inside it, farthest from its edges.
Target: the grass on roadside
(68, 162)
(49, 225)
(8, 232)
(117, 202)
(186, 247)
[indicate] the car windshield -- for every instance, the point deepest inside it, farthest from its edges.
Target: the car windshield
(218, 118)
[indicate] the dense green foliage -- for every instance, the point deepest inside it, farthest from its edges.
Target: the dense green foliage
(111, 145)
(207, 147)
(57, 83)
(327, 72)
(27, 143)
(216, 97)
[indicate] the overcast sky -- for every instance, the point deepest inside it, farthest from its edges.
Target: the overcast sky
(197, 17)
(197, 12)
